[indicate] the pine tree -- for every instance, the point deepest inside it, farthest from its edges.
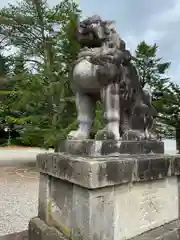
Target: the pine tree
(44, 39)
(153, 70)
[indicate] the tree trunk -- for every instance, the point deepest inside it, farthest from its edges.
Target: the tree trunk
(178, 139)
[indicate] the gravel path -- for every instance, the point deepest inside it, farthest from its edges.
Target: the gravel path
(18, 190)
(18, 201)
(9, 157)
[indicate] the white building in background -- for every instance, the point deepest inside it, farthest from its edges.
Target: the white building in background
(168, 137)
(170, 146)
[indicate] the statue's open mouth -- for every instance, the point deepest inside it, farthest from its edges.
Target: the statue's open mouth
(89, 37)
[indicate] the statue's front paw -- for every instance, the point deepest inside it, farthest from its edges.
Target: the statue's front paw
(78, 135)
(71, 135)
(152, 136)
(133, 135)
(106, 135)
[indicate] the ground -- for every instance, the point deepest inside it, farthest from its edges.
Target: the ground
(19, 190)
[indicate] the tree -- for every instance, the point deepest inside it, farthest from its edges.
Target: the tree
(42, 97)
(7, 83)
(5, 88)
(169, 107)
(153, 70)
(3, 92)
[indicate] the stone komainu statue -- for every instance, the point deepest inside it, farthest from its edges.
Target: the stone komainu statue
(104, 71)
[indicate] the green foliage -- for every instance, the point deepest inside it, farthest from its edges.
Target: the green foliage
(153, 70)
(3, 66)
(5, 90)
(42, 99)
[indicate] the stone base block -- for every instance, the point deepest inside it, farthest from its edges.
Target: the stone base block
(169, 231)
(109, 198)
(96, 148)
(39, 230)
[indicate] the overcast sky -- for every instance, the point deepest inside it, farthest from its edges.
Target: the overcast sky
(136, 20)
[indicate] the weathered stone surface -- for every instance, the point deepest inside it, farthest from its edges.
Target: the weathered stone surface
(168, 231)
(95, 197)
(103, 71)
(38, 230)
(94, 172)
(106, 213)
(92, 147)
(44, 195)
(144, 206)
(60, 205)
(93, 214)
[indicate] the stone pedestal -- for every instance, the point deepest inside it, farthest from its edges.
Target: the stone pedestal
(101, 148)
(107, 197)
